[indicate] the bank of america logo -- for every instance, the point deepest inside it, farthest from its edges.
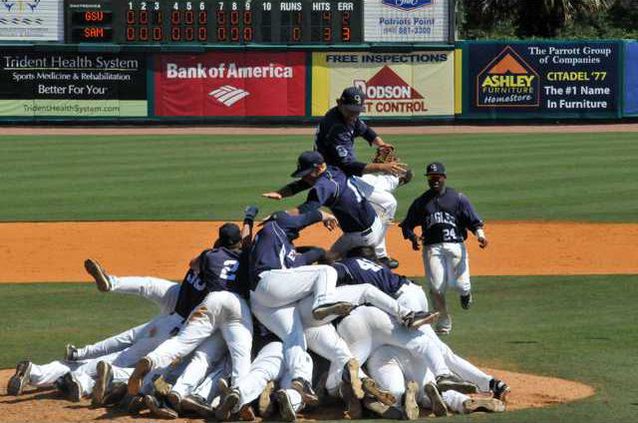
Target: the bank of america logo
(228, 95)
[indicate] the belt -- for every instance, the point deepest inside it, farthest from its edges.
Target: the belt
(367, 231)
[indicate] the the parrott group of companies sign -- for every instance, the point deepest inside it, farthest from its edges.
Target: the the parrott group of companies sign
(543, 79)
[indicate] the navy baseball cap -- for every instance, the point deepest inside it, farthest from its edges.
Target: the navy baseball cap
(435, 168)
(229, 234)
(306, 163)
(352, 98)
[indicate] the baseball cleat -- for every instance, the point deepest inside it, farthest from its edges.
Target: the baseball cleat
(197, 405)
(72, 387)
(454, 383)
(227, 405)
(467, 301)
(142, 368)
(136, 405)
(438, 405)
(443, 325)
(101, 278)
(224, 389)
(246, 413)
(70, 353)
(20, 378)
(161, 387)
(406, 177)
(175, 400)
(286, 410)
(157, 410)
(351, 377)
(371, 388)
(500, 389)
(420, 318)
(382, 410)
(304, 388)
(340, 308)
(410, 405)
(115, 395)
(103, 379)
(487, 405)
(266, 405)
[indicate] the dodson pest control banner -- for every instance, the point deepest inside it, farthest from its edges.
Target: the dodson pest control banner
(419, 83)
(231, 84)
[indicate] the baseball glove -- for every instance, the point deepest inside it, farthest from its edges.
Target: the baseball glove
(385, 154)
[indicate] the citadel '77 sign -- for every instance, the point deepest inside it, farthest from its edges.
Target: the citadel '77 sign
(407, 20)
(31, 20)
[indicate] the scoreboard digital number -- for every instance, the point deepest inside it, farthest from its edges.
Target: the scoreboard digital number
(327, 22)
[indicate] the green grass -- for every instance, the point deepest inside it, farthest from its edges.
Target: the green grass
(585, 177)
(578, 328)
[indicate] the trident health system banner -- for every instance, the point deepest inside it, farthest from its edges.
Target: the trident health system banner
(31, 20)
(72, 84)
(543, 79)
(631, 79)
(419, 83)
(407, 20)
(231, 84)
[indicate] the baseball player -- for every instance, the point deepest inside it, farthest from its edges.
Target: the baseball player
(335, 138)
(333, 189)
(445, 216)
(280, 277)
(224, 271)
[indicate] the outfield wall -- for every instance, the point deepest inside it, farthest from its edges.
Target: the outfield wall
(492, 80)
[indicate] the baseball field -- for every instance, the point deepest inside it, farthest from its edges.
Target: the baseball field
(555, 291)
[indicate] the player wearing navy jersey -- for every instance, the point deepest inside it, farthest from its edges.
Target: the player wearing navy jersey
(331, 187)
(445, 216)
(222, 272)
(335, 139)
(280, 277)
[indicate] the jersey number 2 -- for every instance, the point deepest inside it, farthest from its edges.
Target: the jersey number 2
(229, 269)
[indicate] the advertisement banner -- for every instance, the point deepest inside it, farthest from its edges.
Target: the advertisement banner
(631, 78)
(543, 79)
(72, 84)
(231, 84)
(406, 20)
(419, 83)
(31, 20)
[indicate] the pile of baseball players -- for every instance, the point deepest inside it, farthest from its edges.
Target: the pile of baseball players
(260, 326)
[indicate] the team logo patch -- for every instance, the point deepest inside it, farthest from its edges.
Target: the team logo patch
(386, 92)
(508, 81)
(228, 95)
(407, 5)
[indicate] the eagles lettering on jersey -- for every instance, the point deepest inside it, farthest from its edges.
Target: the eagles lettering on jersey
(443, 218)
(335, 190)
(334, 139)
(358, 270)
(219, 269)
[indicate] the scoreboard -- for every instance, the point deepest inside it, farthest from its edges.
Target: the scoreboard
(225, 22)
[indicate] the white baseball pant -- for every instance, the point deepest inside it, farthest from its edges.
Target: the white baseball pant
(44, 375)
(367, 328)
(412, 296)
(323, 338)
(222, 311)
(202, 361)
(446, 266)
(382, 199)
(274, 303)
(266, 367)
(370, 237)
(392, 367)
(156, 332)
(208, 389)
(162, 292)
